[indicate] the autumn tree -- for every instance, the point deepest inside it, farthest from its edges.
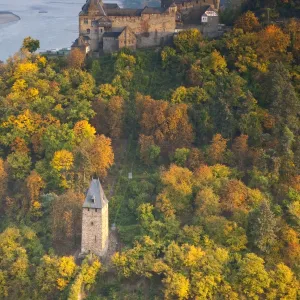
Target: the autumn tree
(76, 58)
(14, 265)
(84, 132)
(207, 203)
(149, 152)
(234, 196)
(283, 283)
(34, 183)
(53, 275)
(215, 62)
(248, 22)
(31, 44)
(86, 277)
(101, 155)
(178, 186)
(168, 124)
(217, 148)
(252, 277)
(3, 179)
(66, 218)
(272, 43)
(188, 40)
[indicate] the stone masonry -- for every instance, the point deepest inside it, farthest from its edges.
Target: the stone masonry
(95, 221)
(105, 27)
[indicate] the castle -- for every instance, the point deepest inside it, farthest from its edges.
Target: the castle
(95, 230)
(106, 28)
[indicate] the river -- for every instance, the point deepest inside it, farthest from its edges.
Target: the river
(53, 22)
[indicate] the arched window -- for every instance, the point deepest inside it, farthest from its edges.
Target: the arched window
(88, 31)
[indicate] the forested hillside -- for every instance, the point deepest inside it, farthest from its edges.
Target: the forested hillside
(209, 131)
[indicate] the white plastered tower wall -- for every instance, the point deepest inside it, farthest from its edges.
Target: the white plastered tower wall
(95, 230)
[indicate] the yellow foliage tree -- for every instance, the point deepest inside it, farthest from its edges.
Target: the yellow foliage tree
(3, 180)
(178, 179)
(62, 160)
(84, 131)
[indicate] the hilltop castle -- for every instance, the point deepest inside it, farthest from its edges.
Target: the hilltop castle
(108, 28)
(95, 232)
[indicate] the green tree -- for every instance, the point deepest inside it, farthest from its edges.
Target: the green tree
(30, 44)
(19, 164)
(262, 226)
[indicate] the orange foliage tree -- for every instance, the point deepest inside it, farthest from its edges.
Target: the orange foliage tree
(66, 217)
(217, 148)
(76, 58)
(248, 22)
(34, 183)
(101, 155)
(234, 196)
(272, 43)
(168, 124)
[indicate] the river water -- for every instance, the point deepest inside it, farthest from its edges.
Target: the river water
(58, 28)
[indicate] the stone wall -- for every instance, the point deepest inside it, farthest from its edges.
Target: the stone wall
(149, 29)
(127, 39)
(94, 230)
(110, 44)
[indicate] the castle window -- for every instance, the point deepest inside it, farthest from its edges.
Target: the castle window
(96, 210)
(88, 209)
(88, 31)
(92, 223)
(86, 21)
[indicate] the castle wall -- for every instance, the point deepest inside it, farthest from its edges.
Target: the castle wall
(110, 44)
(127, 39)
(150, 30)
(94, 230)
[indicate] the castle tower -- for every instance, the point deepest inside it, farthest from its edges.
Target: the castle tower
(95, 220)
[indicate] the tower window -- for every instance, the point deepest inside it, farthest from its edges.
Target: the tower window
(92, 223)
(86, 21)
(88, 209)
(96, 210)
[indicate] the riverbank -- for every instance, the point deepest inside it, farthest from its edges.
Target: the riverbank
(8, 17)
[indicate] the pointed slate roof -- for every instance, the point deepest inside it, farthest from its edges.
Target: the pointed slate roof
(95, 197)
(93, 7)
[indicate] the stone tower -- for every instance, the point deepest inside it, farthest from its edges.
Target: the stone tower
(95, 220)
